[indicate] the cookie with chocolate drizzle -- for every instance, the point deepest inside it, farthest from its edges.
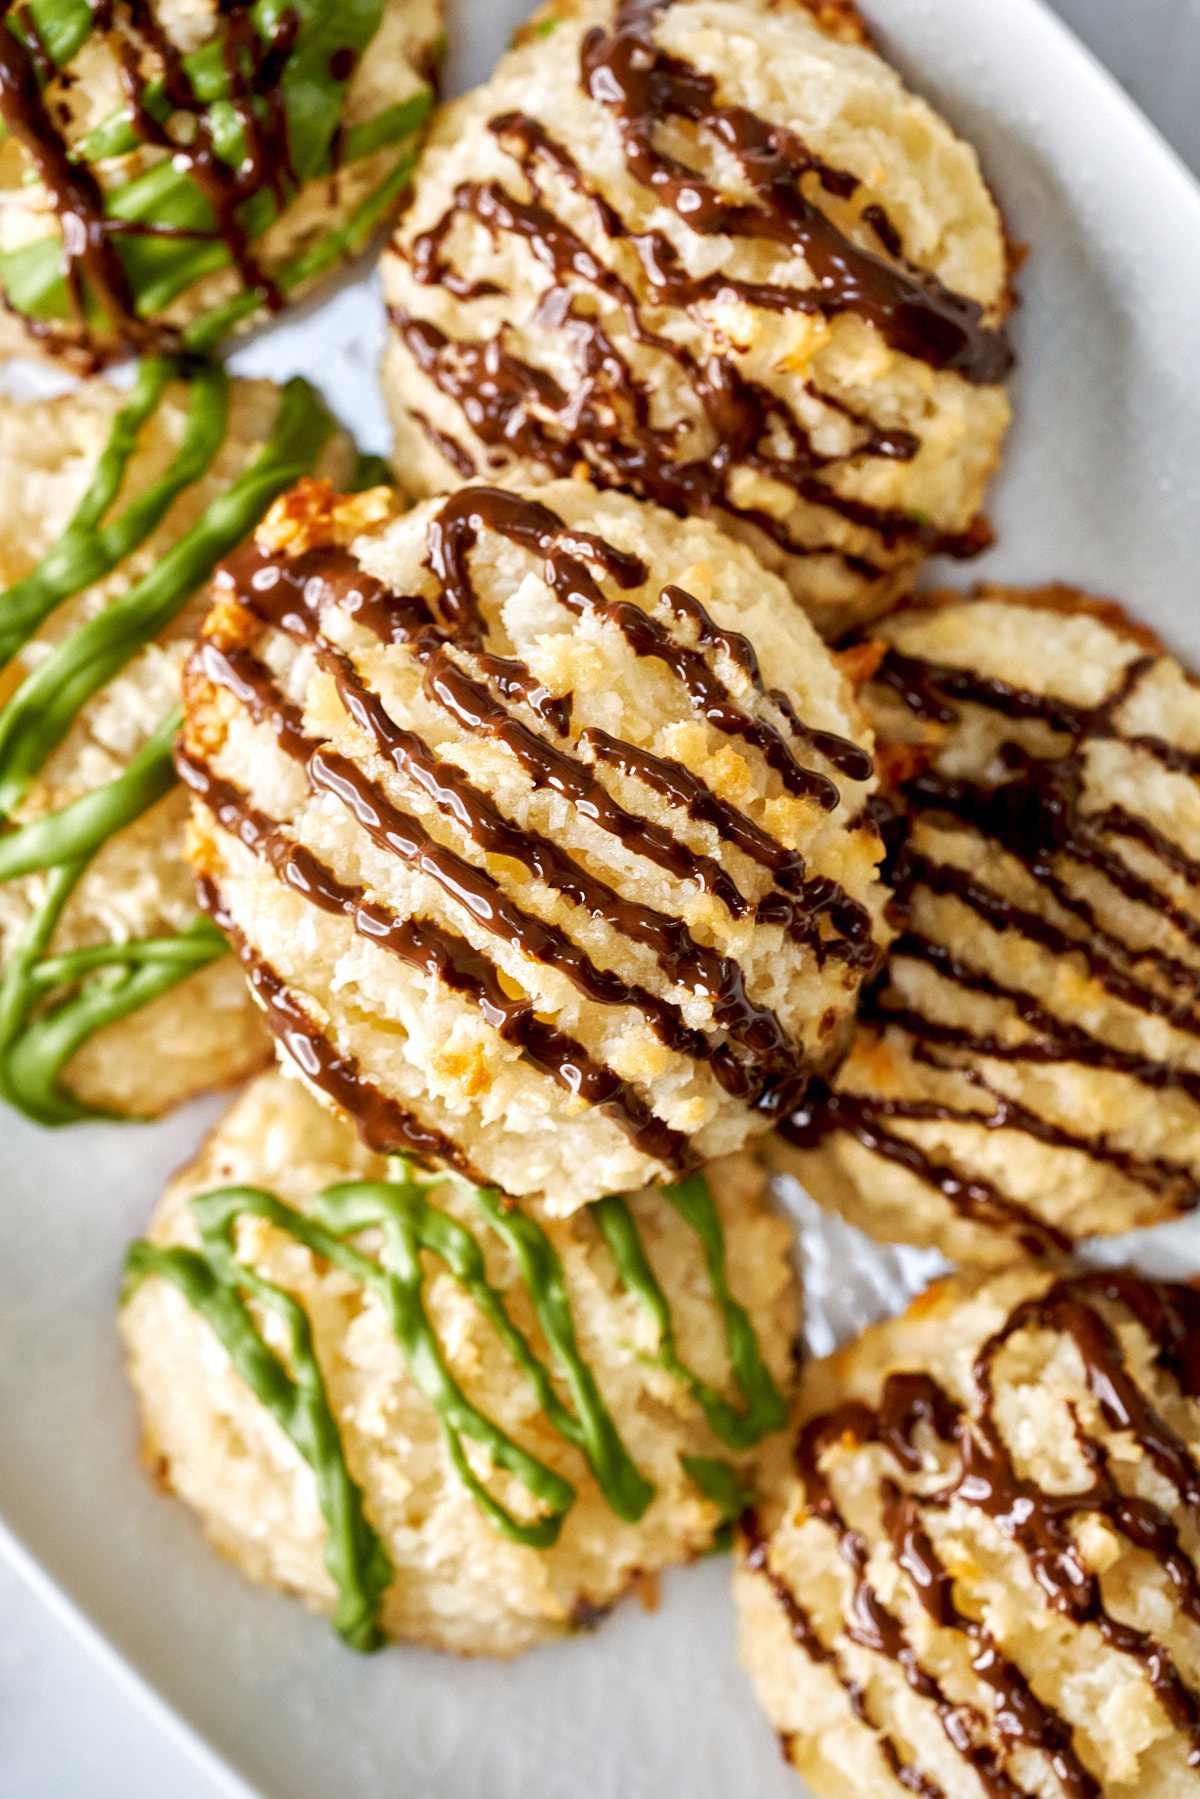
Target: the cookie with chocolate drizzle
(714, 254)
(981, 1580)
(1027, 1069)
(168, 175)
(538, 818)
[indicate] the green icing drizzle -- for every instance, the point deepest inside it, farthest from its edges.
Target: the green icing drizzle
(295, 1395)
(174, 243)
(721, 1484)
(105, 984)
(206, 332)
(51, 1003)
(763, 1408)
(62, 27)
(217, 1283)
(38, 716)
(78, 829)
(86, 552)
(370, 470)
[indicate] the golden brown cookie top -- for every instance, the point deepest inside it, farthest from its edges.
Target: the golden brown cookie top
(1028, 1071)
(980, 1579)
(545, 809)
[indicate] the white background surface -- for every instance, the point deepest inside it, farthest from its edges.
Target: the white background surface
(68, 1725)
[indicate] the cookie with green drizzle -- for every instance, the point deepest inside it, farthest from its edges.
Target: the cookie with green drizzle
(432, 1413)
(115, 994)
(170, 173)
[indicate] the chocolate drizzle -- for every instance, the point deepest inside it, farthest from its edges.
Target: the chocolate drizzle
(626, 71)
(186, 137)
(609, 417)
(1085, 1309)
(88, 250)
(807, 1638)
(745, 1047)
(384, 1124)
(266, 160)
(436, 952)
(1036, 815)
(866, 1119)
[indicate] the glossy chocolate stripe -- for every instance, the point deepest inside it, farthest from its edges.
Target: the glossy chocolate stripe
(681, 787)
(683, 960)
(406, 620)
(1042, 1523)
(515, 407)
(1174, 1180)
(1055, 1039)
(681, 957)
(916, 872)
(468, 886)
(849, 758)
(738, 410)
(383, 1124)
(290, 598)
(625, 70)
(438, 953)
(472, 706)
(74, 191)
(447, 636)
(865, 1118)
(808, 1639)
(314, 579)
(568, 558)
(469, 703)
(265, 161)
(492, 909)
(1020, 1714)
(1035, 816)
(873, 1625)
(504, 397)
(207, 150)
(238, 671)
(927, 687)
(1118, 821)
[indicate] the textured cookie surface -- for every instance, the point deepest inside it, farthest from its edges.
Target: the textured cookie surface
(1029, 1070)
(186, 165)
(981, 1581)
(540, 866)
(116, 507)
(717, 257)
(454, 1577)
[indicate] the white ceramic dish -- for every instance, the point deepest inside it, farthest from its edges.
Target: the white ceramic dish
(1100, 487)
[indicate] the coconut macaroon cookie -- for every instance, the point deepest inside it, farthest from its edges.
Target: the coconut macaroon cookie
(718, 256)
(1028, 1071)
(168, 171)
(418, 1408)
(115, 992)
(981, 1581)
(537, 817)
